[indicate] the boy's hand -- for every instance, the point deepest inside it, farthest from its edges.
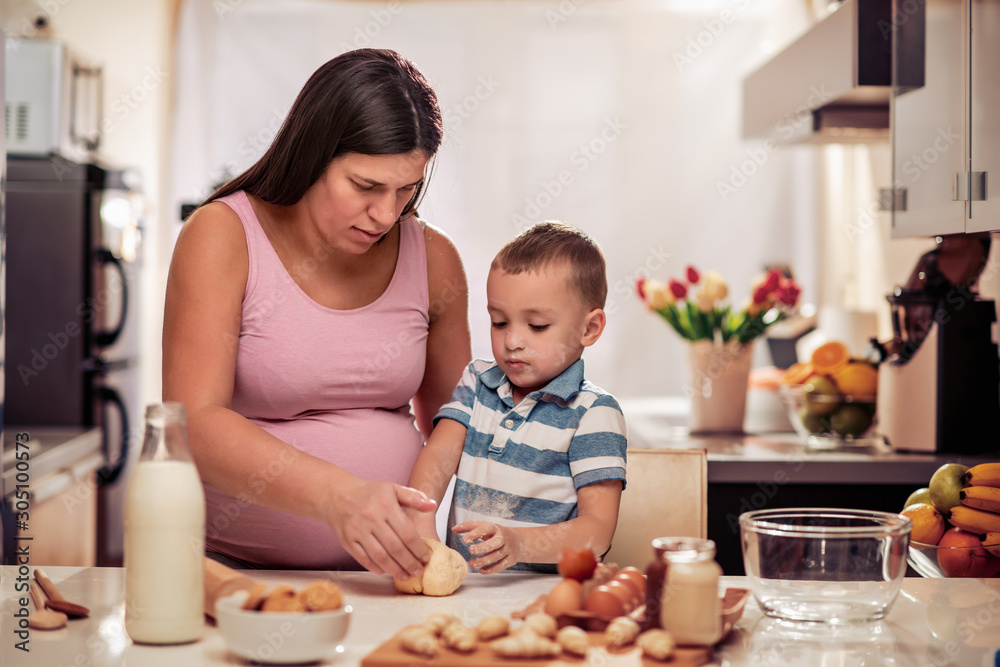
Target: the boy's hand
(498, 548)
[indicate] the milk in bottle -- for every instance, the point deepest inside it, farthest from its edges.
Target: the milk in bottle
(164, 535)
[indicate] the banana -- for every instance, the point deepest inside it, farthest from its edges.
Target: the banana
(984, 474)
(981, 497)
(975, 521)
(991, 541)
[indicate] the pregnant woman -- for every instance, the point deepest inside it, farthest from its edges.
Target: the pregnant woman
(314, 325)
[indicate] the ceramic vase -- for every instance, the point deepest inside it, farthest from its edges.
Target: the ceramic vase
(717, 385)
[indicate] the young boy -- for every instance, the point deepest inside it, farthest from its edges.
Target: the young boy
(539, 452)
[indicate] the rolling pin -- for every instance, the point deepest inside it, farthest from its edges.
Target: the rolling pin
(221, 581)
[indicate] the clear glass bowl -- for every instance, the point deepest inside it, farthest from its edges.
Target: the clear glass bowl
(972, 561)
(828, 421)
(825, 565)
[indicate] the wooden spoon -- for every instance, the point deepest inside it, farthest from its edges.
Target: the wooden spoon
(56, 601)
(44, 619)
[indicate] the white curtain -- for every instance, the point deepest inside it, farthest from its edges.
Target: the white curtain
(622, 118)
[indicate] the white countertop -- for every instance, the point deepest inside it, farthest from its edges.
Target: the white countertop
(933, 622)
(768, 448)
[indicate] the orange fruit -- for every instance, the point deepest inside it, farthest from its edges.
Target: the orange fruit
(797, 373)
(965, 556)
(830, 357)
(928, 524)
(858, 379)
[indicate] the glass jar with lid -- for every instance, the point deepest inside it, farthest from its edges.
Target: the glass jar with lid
(690, 606)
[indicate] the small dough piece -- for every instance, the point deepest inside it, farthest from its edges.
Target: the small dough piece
(492, 627)
(657, 644)
(443, 573)
(440, 620)
(460, 637)
(621, 631)
(419, 639)
(542, 624)
(573, 640)
(322, 596)
(525, 644)
(254, 598)
(282, 598)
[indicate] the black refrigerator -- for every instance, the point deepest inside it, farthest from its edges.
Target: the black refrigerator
(72, 340)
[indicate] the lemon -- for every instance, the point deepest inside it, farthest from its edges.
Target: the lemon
(858, 379)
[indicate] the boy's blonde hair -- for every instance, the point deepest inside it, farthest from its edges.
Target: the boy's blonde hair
(552, 241)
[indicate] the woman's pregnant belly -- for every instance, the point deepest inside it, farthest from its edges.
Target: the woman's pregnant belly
(373, 444)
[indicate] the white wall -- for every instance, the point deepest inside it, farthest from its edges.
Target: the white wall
(683, 120)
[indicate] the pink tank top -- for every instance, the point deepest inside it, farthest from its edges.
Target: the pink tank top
(335, 384)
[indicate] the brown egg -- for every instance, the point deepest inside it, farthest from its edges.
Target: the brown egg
(625, 593)
(565, 597)
(637, 579)
(605, 602)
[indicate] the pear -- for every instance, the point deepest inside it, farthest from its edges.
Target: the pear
(945, 485)
(922, 495)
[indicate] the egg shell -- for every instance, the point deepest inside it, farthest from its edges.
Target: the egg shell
(628, 597)
(635, 577)
(604, 602)
(564, 598)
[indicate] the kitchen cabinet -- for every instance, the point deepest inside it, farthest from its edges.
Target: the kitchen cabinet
(945, 141)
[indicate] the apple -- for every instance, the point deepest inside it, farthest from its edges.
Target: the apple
(945, 484)
(919, 496)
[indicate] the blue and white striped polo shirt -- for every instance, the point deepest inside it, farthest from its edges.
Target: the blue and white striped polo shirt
(522, 465)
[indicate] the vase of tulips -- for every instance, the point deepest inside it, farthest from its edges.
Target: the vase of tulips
(720, 350)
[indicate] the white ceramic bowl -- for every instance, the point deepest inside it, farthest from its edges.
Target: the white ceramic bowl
(280, 637)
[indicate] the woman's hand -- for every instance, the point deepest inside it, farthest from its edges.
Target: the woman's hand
(371, 522)
(498, 548)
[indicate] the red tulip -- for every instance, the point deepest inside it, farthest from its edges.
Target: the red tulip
(677, 289)
(788, 293)
(640, 284)
(760, 294)
(692, 275)
(773, 280)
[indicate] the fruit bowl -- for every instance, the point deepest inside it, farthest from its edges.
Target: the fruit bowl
(943, 562)
(830, 420)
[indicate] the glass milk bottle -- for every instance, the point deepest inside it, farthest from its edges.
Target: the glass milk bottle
(164, 535)
(690, 607)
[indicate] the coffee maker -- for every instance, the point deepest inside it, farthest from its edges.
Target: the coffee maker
(939, 382)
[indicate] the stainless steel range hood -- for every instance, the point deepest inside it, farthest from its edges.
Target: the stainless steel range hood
(832, 85)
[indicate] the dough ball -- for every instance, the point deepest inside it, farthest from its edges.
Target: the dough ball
(443, 573)
(282, 598)
(322, 596)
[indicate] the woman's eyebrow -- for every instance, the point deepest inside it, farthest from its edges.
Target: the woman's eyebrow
(370, 181)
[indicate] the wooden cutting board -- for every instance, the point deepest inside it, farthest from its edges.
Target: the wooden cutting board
(391, 654)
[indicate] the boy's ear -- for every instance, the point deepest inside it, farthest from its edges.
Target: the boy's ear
(593, 326)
